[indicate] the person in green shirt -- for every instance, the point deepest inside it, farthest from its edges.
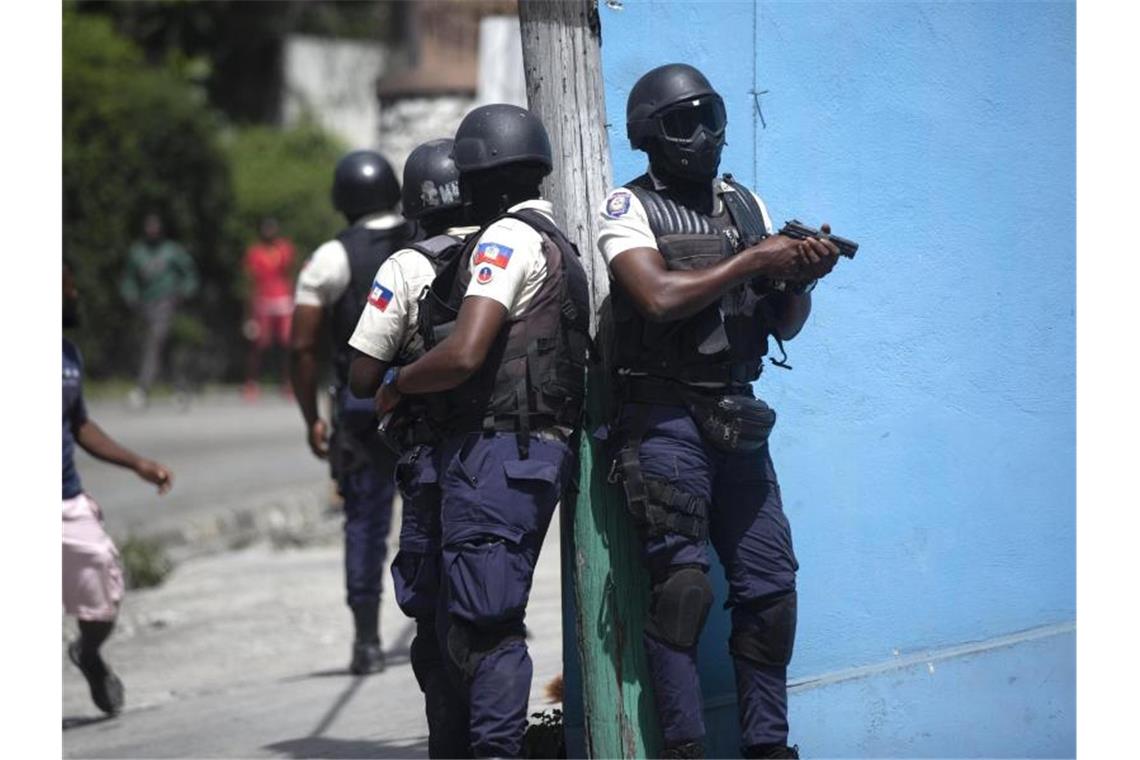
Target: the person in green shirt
(160, 274)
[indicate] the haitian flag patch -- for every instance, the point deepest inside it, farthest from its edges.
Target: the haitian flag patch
(380, 296)
(493, 253)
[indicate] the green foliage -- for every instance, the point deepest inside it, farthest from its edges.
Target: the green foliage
(286, 174)
(144, 561)
(136, 138)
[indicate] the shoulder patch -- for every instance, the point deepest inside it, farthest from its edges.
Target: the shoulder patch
(484, 276)
(493, 253)
(380, 296)
(617, 204)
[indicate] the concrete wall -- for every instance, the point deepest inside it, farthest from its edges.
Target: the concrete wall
(334, 81)
(926, 439)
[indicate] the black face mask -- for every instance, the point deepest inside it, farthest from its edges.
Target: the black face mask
(691, 138)
(70, 313)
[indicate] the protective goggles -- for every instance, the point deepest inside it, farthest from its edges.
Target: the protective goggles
(680, 122)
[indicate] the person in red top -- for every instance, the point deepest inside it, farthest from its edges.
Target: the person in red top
(269, 264)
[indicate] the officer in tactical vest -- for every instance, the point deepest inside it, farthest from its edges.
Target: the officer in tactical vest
(387, 336)
(506, 333)
(332, 289)
(699, 283)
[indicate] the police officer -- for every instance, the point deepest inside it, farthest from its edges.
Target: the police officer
(695, 297)
(386, 336)
(332, 288)
(507, 342)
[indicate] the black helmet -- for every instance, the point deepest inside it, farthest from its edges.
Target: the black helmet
(675, 114)
(431, 181)
(364, 183)
(501, 134)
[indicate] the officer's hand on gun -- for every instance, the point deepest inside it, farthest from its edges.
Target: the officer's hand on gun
(778, 257)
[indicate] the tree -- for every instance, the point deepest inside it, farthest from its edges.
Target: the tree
(136, 138)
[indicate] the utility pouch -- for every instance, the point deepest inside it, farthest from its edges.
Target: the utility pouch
(731, 423)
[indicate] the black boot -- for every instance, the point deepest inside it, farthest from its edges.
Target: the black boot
(685, 749)
(106, 688)
(367, 656)
(773, 750)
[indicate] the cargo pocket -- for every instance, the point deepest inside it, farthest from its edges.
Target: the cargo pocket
(488, 574)
(415, 582)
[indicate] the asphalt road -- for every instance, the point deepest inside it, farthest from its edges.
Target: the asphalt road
(225, 454)
(243, 654)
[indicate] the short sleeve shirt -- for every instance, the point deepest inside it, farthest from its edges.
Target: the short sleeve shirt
(624, 224)
(389, 319)
(74, 415)
(508, 264)
(326, 274)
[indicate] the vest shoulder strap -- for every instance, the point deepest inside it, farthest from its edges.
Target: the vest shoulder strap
(744, 210)
(542, 223)
(438, 249)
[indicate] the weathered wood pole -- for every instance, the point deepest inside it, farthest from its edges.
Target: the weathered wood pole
(603, 579)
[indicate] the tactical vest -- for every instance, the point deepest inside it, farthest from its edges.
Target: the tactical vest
(534, 375)
(413, 420)
(724, 342)
(367, 249)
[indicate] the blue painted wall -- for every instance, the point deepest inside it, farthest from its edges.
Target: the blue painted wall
(926, 442)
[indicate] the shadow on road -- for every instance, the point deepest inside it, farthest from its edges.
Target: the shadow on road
(85, 720)
(317, 745)
(322, 746)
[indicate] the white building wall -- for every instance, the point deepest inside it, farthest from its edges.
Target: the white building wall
(334, 80)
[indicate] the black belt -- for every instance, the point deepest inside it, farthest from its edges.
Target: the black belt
(659, 390)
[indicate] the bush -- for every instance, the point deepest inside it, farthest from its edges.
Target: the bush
(145, 562)
(135, 138)
(286, 174)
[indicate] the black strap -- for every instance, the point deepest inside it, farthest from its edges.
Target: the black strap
(655, 503)
(746, 215)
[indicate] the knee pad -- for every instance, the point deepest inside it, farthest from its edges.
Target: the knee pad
(467, 644)
(769, 635)
(679, 607)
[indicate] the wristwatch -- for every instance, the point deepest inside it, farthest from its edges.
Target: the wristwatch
(390, 378)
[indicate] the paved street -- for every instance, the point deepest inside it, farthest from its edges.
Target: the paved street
(244, 654)
(226, 455)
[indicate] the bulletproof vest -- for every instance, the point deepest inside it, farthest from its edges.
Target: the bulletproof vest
(535, 371)
(439, 250)
(367, 249)
(412, 419)
(725, 341)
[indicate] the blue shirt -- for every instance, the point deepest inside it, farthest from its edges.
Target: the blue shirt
(74, 415)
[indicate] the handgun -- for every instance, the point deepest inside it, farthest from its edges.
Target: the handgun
(797, 230)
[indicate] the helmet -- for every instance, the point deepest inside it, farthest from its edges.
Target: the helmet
(501, 134)
(363, 183)
(675, 114)
(431, 181)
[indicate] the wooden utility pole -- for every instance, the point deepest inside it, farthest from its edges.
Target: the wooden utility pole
(603, 578)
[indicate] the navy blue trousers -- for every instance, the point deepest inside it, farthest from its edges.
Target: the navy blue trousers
(368, 491)
(416, 573)
(752, 538)
(494, 508)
